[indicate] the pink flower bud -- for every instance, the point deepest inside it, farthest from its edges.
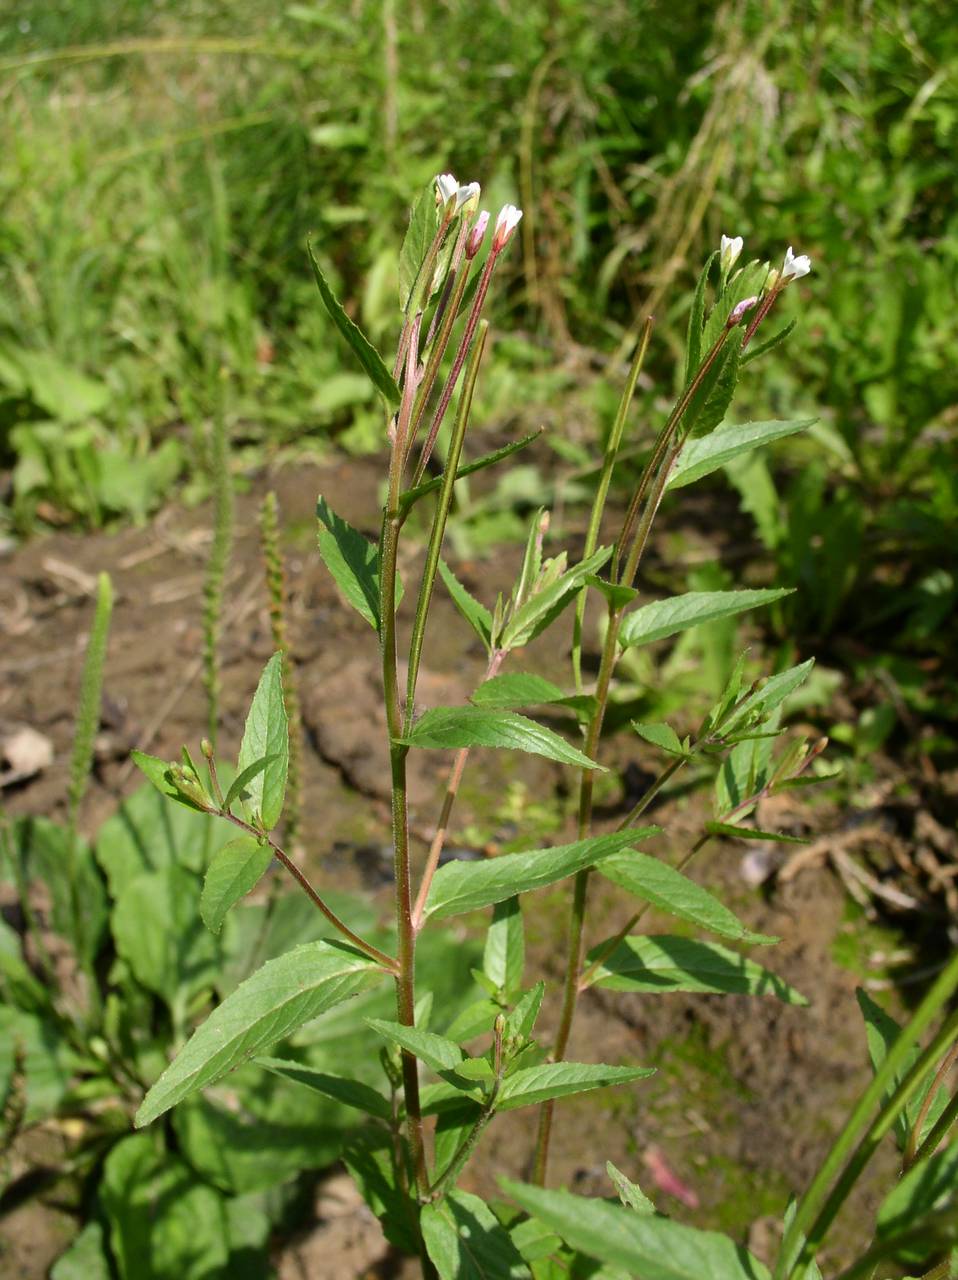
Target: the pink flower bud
(740, 310)
(509, 218)
(477, 234)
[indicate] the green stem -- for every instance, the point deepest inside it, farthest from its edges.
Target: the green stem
(792, 1252)
(437, 533)
(602, 490)
(576, 934)
(938, 1131)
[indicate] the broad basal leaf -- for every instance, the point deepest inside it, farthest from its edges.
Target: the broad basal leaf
(266, 737)
(669, 890)
(280, 997)
(644, 1244)
(664, 618)
(234, 871)
(367, 354)
(702, 456)
(663, 963)
(559, 1079)
(465, 1241)
(454, 727)
(464, 886)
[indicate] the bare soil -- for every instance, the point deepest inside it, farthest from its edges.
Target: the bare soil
(748, 1092)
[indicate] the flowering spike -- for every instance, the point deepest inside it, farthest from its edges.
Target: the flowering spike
(509, 218)
(740, 310)
(794, 268)
(731, 248)
(477, 234)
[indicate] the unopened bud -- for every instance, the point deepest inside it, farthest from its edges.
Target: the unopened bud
(447, 189)
(742, 309)
(477, 234)
(731, 247)
(509, 218)
(207, 748)
(771, 281)
(467, 198)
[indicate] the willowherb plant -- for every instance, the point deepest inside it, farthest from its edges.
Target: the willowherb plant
(442, 1086)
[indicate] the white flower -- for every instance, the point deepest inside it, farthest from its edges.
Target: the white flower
(794, 268)
(476, 234)
(731, 248)
(447, 188)
(509, 218)
(467, 197)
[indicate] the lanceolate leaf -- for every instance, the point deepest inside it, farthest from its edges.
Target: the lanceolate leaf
(476, 614)
(158, 772)
(465, 1241)
(542, 608)
(702, 456)
(239, 785)
(516, 689)
(559, 1079)
(663, 963)
(643, 1244)
(352, 560)
(453, 727)
(353, 1093)
(632, 1197)
(732, 832)
(235, 869)
(277, 999)
(464, 886)
(367, 354)
(668, 617)
(693, 356)
(266, 737)
(771, 694)
(930, 1185)
(410, 496)
(505, 950)
(436, 1051)
(423, 224)
(669, 890)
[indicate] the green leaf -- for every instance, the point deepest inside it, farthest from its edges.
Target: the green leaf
(463, 886)
(411, 496)
(435, 1050)
(45, 852)
(504, 956)
(928, 1187)
(770, 695)
(369, 1158)
(453, 727)
(702, 456)
(163, 1221)
(617, 595)
(632, 1197)
(266, 736)
(662, 736)
(732, 832)
(532, 618)
(881, 1032)
(644, 1244)
(476, 614)
(465, 1241)
(158, 932)
(352, 1093)
(710, 403)
(516, 689)
(367, 354)
(664, 618)
(560, 1079)
(277, 999)
(669, 890)
(352, 560)
(85, 1259)
(693, 356)
(159, 773)
(423, 225)
(662, 963)
(521, 1020)
(240, 783)
(235, 869)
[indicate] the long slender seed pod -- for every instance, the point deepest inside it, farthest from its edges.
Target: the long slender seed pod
(276, 591)
(217, 564)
